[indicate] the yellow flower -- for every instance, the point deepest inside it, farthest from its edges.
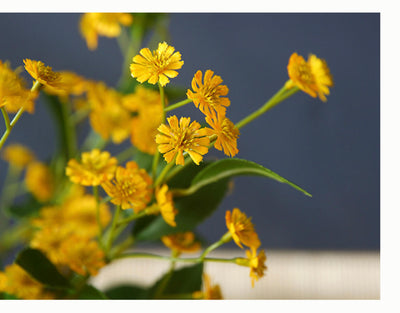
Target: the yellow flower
(131, 187)
(208, 97)
(93, 25)
(182, 242)
(256, 264)
(72, 84)
(43, 74)
(242, 229)
(210, 292)
(166, 205)
(13, 93)
(39, 181)
(146, 103)
(108, 117)
(182, 136)
(82, 255)
(227, 134)
(17, 282)
(313, 76)
(18, 155)
(157, 66)
(95, 168)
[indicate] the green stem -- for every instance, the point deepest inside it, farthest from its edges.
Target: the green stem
(112, 229)
(96, 196)
(138, 215)
(126, 154)
(224, 239)
(156, 157)
(177, 105)
(281, 95)
(164, 172)
(69, 131)
(36, 86)
(6, 117)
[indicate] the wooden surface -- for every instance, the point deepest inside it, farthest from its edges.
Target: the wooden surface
(290, 275)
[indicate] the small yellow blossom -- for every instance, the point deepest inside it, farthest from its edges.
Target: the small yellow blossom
(157, 66)
(93, 25)
(242, 229)
(166, 205)
(131, 187)
(210, 292)
(13, 93)
(108, 117)
(43, 74)
(208, 96)
(18, 155)
(227, 134)
(72, 84)
(39, 181)
(147, 106)
(182, 136)
(312, 76)
(82, 255)
(256, 264)
(182, 242)
(16, 281)
(95, 168)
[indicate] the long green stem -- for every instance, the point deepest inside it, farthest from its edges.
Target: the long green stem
(96, 196)
(281, 95)
(177, 105)
(6, 117)
(111, 234)
(156, 157)
(36, 86)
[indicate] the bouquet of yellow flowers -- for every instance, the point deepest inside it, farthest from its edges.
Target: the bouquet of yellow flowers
(86, 207)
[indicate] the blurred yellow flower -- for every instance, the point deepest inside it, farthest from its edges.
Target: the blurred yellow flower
(157, 66)
(182, 242)
(313, 77)
(13, 93)
(72, 84)
(16, 281)
(256, 264)
(146, 104)
(93, 25)
(211, 292)
(227, 134)
(108, 117)
(166, 205)
(43, 74)
(182, 136)
(39, 181)
(242, 229)
(18, 155)
(94, 168)
(83, 255)
(208, 96)
(130, 188)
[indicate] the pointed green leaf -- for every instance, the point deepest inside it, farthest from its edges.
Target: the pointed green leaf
(40, 268)
(89, 292)
(228, 168)
(126, 292)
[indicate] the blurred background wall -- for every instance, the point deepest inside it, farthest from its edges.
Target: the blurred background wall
(330, 149)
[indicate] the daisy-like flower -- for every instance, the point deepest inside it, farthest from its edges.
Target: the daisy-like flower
(82, 255)
(157, 66)
(93, 25)
(256, 264)
(131, 187)
(227, 134)
(182, 136)
(16, 281)
(43, 74)
(18, 155)
(166, 205)
(182, 242)
(72, 83)
(13, 91)
(209, 96)
(312, 76)
(242, 229)
(95, 168)
(146, 103)
(39, 181)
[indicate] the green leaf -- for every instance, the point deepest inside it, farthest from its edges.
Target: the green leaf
(192, 209)
(89, 292)
(40, 268)
(183, 281)
(227, 168)
(127, 292)
(27, 209)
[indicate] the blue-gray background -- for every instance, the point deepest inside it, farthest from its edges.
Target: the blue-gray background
(330, 149)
